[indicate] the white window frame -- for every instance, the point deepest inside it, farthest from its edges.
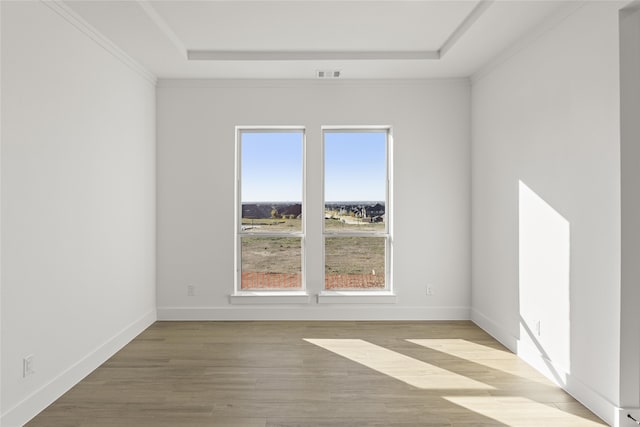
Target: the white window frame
(277, 296)
(385, 295)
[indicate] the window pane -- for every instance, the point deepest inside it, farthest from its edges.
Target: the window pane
(354, 263)
(271, 263)
(355, 181)
(271, 165)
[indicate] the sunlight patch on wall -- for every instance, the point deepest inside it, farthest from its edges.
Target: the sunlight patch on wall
(403, 368)
(544, 278)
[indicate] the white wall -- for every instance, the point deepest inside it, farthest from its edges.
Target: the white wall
(196, 122)
(630, 164)
(1, 214)
(548, 118)
(78, 205)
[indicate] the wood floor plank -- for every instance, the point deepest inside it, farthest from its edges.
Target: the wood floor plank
(306, 373)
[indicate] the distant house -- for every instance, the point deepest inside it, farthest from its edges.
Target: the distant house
(255, 211)
(295, 210)
(263, 210)
(376, 210)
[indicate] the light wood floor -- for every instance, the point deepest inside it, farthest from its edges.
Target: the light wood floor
(286, 374)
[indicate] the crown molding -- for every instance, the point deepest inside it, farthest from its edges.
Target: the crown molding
(188, 83)
(464, 26)
(59, 7)
(283, 55)
(162, 25)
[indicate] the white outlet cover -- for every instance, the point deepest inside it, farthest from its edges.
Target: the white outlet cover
(27, 366)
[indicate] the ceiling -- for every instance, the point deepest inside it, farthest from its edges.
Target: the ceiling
(293, 39)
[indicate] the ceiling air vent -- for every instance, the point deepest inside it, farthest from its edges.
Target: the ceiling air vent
(328, 74)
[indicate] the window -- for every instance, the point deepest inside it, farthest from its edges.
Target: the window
(351, 240)
(269, 224)
(356, 209)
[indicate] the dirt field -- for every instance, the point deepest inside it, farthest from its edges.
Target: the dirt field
(352, 224)
(351, 262)
(354, 255)
(271, 254)
(270, 225)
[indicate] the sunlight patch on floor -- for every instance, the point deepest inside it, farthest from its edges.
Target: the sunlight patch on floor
(493, 358)
(520, 411)
(404, 368)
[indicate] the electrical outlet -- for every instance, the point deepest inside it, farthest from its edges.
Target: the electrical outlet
(191, 290)
(27, 366)
(429, 290)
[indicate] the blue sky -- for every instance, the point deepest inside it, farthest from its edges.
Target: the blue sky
(272, 167)
(355, 166)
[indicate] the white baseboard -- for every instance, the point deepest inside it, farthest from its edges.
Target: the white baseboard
(589, 397)
(496, 331)
(326, 312)
(28, 408)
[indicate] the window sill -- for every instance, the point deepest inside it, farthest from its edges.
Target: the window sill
(356, 297)
(267, 297)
